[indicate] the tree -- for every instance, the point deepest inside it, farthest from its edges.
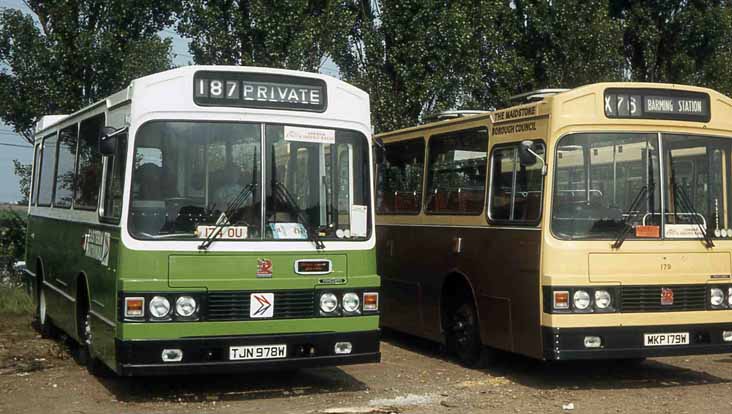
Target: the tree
(416, 57)
(76, 53)
(568, 43)
(677, 41)
(23, 172)
(293, 34)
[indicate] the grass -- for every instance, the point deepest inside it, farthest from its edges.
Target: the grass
(15, 301)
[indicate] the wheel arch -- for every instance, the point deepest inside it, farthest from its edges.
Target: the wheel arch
(83, 302)
(455, 282)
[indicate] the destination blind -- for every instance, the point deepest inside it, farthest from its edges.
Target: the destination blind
(259, 90)
(657, 104)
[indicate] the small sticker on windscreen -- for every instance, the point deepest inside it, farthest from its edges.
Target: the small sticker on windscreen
(653, 232)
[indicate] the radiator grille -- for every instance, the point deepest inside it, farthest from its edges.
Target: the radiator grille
(234, 306)
(648, 298)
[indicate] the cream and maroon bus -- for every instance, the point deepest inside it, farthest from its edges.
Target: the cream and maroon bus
(585, 223)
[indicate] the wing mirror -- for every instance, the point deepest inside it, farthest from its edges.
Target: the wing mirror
(109, 140)
(527, 155)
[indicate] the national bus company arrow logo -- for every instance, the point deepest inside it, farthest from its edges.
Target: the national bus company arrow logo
(261, 305)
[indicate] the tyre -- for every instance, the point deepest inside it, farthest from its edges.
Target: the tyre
(45, 326)
(463, 335)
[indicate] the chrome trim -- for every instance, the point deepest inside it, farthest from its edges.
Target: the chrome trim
(62, 283)
(485, 227)
(28, 272)
(60, 292)
(98, 303)
(102, 318)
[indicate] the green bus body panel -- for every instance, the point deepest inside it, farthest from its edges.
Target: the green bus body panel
(55, 253)
(142, 331)
(221, 271)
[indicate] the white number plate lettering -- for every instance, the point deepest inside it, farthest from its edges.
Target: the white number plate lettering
(257, 352)
(666, 339)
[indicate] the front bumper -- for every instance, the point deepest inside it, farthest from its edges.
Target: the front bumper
(207, 355)
(627, 342)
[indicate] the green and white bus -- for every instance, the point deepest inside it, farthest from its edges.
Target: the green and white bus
(208, 219)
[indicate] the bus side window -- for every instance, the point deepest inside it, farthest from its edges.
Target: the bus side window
(36, 174)
(114, 181)
(456, 173)
(48, 154)
(89, 164)
(516, 189)
(65, 167)
(399, 187)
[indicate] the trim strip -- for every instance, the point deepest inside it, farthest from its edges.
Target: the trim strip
(462, 226)
(62, 283)
(103, 319)
(29, 273)
(59, 291)
(98, 303)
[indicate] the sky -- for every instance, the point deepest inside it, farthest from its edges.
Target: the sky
(13, 147)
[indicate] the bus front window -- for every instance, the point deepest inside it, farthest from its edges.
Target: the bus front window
(604, 183)
(189, 176)
(607, 183)
(695, 181)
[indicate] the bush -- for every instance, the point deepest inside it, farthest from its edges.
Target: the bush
(12, 235)
(14, 300)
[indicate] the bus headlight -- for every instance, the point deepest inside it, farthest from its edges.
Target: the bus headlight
(581, 300)
(351, 302)
(185, 306)
(159, 307)
(729, 297)
(716, 297)
(328, 302)
(603, 300)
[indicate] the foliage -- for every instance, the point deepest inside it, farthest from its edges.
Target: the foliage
(568, 43)
(23, 172)
(292, 34)
(14, 300)
(76, 53)
(677, 41)
(12, 234)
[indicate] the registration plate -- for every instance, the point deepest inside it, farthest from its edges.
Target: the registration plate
(666, 339)
(257, 352)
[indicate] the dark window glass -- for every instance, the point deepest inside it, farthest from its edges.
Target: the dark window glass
(36, 173)
(399, 189)
(48, 167)
(456, 173)
(89, 171)
(516, 188)
(114, 180)
(186, 175)
(65, 167)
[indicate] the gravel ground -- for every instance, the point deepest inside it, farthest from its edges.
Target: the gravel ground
(40, 376)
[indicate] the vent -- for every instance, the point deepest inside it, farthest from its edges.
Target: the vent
(648, 298)
(536, 95)
(234, 306)
(441, 116)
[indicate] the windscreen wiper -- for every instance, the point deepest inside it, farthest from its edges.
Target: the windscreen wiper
(234, 204)
(224, 219)
(279, 189)
(284, 196)
(629, 214)
(688, 206)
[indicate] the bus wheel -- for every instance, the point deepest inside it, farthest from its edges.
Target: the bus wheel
(45, 327)
(463, 335)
